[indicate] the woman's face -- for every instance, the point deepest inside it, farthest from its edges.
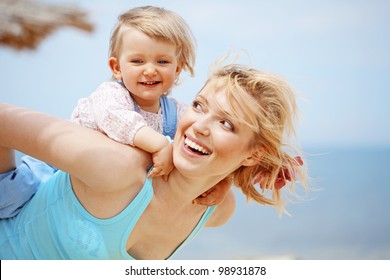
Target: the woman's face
(209, 141)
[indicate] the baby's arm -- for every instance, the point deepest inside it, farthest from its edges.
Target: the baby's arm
(159, 146)
(110, 110)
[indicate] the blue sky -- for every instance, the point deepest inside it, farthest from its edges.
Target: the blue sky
(335, 54)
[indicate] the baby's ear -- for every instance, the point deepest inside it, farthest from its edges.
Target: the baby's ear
(115, 68)
(179, 68)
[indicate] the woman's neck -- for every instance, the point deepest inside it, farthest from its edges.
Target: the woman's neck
(182, 190)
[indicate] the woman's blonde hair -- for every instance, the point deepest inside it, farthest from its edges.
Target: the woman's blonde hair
(265, 103)
(161, 24)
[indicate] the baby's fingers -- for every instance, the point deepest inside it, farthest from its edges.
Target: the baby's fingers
(159, 171)
(205, 200)
(156, 171)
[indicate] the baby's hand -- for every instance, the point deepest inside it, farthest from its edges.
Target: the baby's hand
(215, 195)
(283, 176)
(163, 162)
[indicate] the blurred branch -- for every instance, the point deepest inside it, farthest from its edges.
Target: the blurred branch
(25, 23)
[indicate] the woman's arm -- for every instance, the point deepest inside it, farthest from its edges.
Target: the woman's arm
(86, 154)
(7, 159)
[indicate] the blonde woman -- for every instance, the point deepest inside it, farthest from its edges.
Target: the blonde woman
(103, 206)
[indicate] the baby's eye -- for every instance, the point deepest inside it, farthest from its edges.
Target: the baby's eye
(163, 61)
(136, 61)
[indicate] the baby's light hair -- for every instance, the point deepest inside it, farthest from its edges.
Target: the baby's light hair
(160, 24)
(266, 104)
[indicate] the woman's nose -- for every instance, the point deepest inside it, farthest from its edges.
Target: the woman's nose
(202, 126)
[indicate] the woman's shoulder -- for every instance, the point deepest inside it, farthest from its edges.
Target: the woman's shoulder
(223, 212)
(114, 199)
(105, 164)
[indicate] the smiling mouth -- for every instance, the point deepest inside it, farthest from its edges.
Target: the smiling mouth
(195, 147)
(149, 83)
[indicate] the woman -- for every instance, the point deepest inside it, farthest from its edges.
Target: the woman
(102, 206)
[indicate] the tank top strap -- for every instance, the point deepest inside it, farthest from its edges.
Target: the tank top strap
(206, 215)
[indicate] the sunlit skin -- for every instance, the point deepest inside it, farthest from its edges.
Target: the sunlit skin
(148, 67)
(224, 142)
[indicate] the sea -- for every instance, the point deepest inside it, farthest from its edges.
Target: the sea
(344, 216)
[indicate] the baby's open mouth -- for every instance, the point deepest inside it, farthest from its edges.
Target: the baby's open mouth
(149, 83)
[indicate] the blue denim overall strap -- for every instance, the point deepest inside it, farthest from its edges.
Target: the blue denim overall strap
(168, 107)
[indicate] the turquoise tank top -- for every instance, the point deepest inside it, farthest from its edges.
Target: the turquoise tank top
(54, 225)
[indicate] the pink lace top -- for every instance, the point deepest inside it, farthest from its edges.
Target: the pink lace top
(110, 109)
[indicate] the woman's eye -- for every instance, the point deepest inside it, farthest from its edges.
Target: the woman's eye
(228, 125)
(197, 106)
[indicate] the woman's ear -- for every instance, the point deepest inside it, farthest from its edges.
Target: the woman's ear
(115, 68)
(250, 161)
(253, 159)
